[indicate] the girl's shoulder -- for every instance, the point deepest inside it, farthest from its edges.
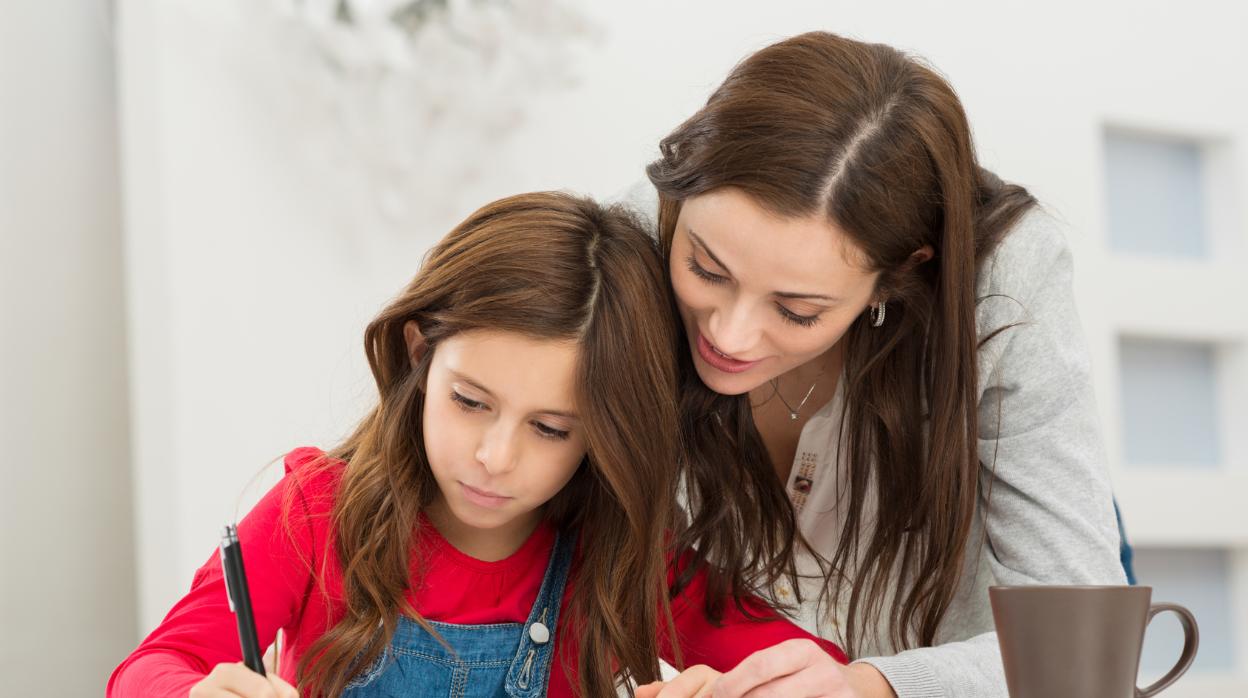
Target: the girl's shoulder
(308, 460)
(311, 464)
(311, 482)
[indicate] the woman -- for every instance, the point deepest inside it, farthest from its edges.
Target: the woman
(886, 388)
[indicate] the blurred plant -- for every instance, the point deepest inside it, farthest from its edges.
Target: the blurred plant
(420, 92)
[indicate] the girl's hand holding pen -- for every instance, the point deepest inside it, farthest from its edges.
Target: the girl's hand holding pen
(257, 676)
(694, 682)
(235, 680)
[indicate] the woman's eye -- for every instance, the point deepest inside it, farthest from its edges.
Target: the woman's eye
(701, 273)
(548, 432)
(466, 404)
(795, 319)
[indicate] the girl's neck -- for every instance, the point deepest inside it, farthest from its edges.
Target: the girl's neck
(487, 545)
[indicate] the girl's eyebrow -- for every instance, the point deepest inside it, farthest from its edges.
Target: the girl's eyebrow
(554, 413)
(471, 382)
(782, 294)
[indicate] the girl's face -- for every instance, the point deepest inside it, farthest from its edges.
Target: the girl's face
(501, 431)
(759, 294)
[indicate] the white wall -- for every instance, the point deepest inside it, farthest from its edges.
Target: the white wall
(254, 262)
(67, 604)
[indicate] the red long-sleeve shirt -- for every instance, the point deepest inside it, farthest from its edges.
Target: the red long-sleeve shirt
(200, 631)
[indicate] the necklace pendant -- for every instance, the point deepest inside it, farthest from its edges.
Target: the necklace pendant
(793, 416)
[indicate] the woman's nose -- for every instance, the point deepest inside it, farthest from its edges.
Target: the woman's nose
(735, 329)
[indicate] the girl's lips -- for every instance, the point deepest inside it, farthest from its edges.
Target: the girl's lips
(717, 360)
(483, 498)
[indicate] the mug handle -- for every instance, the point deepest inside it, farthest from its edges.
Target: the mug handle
(1191, 640)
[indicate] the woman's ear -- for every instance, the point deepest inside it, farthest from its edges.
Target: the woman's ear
(920, 256)
(416, 345)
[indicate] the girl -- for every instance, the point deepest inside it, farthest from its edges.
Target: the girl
(497, 523)
(883, 360)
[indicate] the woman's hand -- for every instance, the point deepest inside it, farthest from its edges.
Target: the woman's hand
(235, 680)
(694, 682)
(791, 669)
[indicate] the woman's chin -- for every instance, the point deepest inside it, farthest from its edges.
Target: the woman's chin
(726, 383)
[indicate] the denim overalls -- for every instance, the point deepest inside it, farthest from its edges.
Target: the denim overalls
(496, 660)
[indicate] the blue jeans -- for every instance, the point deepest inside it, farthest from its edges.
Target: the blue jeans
(485, 661)
(1125, 553)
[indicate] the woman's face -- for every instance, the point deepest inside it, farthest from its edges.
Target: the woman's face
(760, 294)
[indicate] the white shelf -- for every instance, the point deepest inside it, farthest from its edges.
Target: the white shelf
(1183, 507)
(1175, 300)
(1208, 686)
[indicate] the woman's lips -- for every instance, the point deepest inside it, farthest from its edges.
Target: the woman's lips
(483, 498)
(718, 360)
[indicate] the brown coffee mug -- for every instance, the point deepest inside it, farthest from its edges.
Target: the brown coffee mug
(1081, 641)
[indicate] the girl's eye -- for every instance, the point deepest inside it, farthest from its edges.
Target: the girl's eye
(548, 432)
(795, 319)
(701, 273)
(543, 430)
(466, 404)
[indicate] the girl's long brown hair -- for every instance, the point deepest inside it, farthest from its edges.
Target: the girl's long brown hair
(879, 143)
(548, 266)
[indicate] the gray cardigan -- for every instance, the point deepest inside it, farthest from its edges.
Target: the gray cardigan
(1048, 516)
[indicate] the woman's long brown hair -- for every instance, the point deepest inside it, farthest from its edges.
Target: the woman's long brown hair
(547, 266)
(879, 144)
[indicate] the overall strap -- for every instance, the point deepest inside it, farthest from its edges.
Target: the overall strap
(530, 670)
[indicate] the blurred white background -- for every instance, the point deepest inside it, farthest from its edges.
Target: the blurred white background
(202, 202)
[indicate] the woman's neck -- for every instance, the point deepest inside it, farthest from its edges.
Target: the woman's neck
(773, 419)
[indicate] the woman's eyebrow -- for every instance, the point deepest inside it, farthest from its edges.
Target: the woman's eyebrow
(804, 296)
(702, 244)
(781, 294)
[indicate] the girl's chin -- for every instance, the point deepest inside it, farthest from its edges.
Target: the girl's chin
(482, 519)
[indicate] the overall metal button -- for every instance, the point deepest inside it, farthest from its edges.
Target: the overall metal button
(539, 633)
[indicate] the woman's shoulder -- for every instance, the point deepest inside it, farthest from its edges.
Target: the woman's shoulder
(1025, 256)
(1030, 271)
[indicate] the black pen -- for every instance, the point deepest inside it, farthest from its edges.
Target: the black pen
(240, 598)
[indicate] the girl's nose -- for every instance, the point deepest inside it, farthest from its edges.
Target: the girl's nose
(498, 450)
